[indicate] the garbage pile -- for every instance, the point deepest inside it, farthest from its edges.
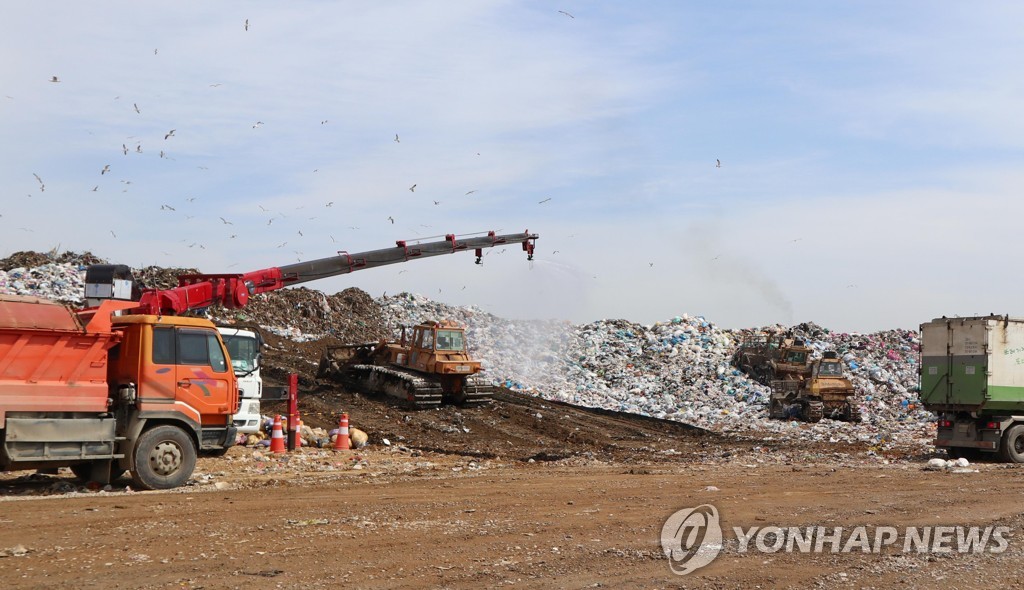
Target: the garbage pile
(678, 369)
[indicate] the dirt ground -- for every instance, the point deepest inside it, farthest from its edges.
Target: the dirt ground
(495, 497)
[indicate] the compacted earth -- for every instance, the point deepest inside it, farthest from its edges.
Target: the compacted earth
(521, 493)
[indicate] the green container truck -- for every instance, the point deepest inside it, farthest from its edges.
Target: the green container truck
(972, 377)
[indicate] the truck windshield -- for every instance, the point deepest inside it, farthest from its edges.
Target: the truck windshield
(451, 340)
(796, 357)
(830, 370)
(243, 351)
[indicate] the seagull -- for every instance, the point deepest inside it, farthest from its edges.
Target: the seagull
(233, 236)
(718, 163)
(391, 219)
(651, 263)
(124, 149)
(138, 148)
(154, 52)
(112, 233)
(136, 108)
(42, 187)
(269, 221)
(544, 201)
(412, 188)
(300, 232)
(226, 222)
(162, 154)
(96, 188)
(566, 14)
(329, 203)
(215, 85)
(262, 208)
(190, 199)
(471, 192)
(437, 202)
(105, 169)
(555, 252)
(396, 135)
(246, 24)
(332, 239)
(54, 79)
(282, 244)
(170, 133)
(258, 123)
(324, 122)
(166, 207)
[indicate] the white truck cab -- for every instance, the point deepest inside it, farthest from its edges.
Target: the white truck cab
(244, 348)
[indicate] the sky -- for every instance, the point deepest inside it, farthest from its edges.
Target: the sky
(853, 164)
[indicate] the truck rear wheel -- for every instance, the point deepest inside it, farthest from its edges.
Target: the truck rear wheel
(164, 458)
(1012, 448)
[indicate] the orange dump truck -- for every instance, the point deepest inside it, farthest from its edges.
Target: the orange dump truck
(104, 393)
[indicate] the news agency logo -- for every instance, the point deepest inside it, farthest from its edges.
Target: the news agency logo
(691, 538)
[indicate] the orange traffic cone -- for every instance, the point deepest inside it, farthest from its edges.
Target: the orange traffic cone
(341, 443)
(277, 437)
(298, 436)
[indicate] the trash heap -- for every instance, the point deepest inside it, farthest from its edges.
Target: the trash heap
(678, 369)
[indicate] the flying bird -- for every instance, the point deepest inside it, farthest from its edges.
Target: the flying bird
(170, 134)
(112, 233)
(226, 222)
(471, 192)
(246, 24)
(437, 202)
(566, 14)
(166, 208)
(300, 232)
(162, 154)
(412, 188)
(154, 52)
(718, 163)
(544, 201)
(391, 219)
(136, 108)
(190, 199)
(215, 85)
(329, 203)
(396, 135)
(105, 169)
(262, 208)
(54, 79)
(96, 188)
(269, 221)
(138, 148)
(258, 123)
(282, 244)
(40, 180)
(233, 236)
(324, 122)
(124, 149)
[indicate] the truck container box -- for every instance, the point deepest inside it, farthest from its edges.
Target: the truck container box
(973, 364)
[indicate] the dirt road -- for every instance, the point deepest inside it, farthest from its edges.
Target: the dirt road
(406, 519)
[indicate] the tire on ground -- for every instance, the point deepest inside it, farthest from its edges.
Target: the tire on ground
(1012, 447)
(164, 458)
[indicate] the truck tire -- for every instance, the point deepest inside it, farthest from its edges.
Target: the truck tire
(164, 458)
(1012, 447)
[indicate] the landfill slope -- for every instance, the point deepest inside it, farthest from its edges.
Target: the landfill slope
(676, 370)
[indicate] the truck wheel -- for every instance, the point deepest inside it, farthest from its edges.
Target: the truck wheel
(165, 457)
(1012, 449)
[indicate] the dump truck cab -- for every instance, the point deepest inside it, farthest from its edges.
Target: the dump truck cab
(792, 360)
(435, 347)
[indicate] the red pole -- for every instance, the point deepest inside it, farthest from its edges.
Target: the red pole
(293, 410)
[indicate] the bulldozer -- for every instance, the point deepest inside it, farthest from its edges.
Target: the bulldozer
(767, 358)
(423, 370)
(826, 392)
